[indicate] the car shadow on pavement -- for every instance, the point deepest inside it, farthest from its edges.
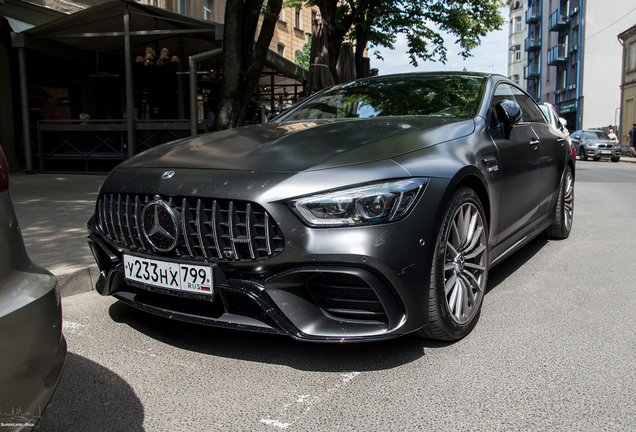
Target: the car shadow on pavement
(272, 348)
(283, 350)
(106, 402)
(502, 271)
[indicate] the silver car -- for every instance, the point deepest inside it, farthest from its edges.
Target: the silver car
(595, 144)
(32, 347)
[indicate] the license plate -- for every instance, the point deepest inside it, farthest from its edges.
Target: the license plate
(171, 275)
(606, 152)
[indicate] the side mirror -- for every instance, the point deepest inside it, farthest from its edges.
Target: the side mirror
(509, 115)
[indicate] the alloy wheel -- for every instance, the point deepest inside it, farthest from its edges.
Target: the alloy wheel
(465, 263)
(568, 200)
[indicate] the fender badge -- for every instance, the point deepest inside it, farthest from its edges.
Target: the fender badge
(167, 175)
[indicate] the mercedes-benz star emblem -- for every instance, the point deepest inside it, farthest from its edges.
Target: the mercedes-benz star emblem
(167, 175)
(161, 225)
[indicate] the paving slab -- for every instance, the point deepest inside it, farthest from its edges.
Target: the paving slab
(53, 210)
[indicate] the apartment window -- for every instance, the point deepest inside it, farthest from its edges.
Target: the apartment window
(281, 15)
(207, 9)
(280, 48)
(181, 7)
(518, 24)
(515, 78)
(631, 65)
(297, 18)
(563, 77)
(517, 55)
(314, 16)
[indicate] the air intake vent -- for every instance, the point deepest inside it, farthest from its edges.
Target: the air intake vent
(347, 297)
(215, 230)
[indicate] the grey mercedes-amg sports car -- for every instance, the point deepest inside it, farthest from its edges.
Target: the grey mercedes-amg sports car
(370, 210)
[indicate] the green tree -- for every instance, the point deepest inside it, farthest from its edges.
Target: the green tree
(378, 22)
(301, 57)
(243, 59)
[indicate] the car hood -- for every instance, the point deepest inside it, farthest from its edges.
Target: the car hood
(302, 146)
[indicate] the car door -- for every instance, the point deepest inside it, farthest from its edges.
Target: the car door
(551, 149)
(519, 163)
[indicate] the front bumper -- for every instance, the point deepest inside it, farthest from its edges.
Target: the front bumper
(330, 284)
(603, 152)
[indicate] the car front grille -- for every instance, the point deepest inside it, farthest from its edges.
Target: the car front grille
(346, 297)
(211, 229)
(606, 146)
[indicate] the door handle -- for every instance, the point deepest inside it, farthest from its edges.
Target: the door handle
(489, 160)
(561, 141)
(534, 143)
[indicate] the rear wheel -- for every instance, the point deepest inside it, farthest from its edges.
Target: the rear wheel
(616, 159)
(459, 269)
(564, 209)
(597, 158)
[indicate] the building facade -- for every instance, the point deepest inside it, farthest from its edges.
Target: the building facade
(628, 85)
(517, 34)
(573, 58)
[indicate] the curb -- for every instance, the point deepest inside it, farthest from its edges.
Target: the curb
(75, 280)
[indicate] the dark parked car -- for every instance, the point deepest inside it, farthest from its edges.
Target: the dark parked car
(371, 210)
(595, 144)
(32, 347)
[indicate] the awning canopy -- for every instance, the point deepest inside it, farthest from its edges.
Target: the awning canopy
(101, 28)
(18, 26)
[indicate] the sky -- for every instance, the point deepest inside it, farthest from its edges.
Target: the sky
(490, 56)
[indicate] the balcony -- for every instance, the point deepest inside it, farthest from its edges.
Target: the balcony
(532, 72)
(558, 21)
(533, 44)
(533, 14)
(557, 54)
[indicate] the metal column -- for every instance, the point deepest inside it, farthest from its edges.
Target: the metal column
(194, 63)
(130, 103)
(26, 122)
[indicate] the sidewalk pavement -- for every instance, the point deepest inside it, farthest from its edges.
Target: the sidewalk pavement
(53, 210)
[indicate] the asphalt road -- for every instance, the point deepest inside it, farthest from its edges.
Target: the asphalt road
(555, 350)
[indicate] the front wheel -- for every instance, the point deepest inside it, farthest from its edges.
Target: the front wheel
(459, 269)
(582, 154)
(564, 208)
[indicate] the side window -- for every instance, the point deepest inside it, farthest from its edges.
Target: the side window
(529, 109)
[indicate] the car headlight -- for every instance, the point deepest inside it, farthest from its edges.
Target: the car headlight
(591, 145)
(375, 203)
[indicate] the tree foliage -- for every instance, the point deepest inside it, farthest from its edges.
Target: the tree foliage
(243, 59)
(378, 22)
(301, 57)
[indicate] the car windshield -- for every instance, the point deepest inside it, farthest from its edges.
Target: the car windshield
(433, 96)
(595, 135)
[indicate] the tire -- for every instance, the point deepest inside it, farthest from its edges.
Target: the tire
(596, 159)
(564, 209)
(616, 159)
(583, 155)
(459, 269)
